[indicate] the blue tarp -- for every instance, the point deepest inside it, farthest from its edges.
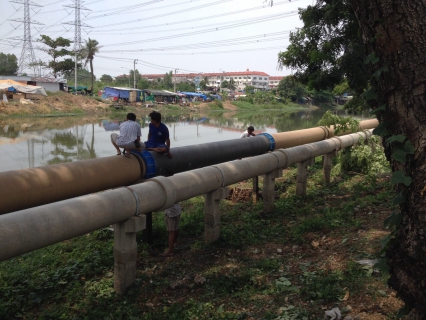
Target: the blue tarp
(195, 94)
(121, 93)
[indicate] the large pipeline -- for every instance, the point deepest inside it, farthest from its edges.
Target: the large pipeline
(28, 188)
(27, 230)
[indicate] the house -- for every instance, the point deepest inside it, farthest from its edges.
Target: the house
(50, 84)
(127, 94)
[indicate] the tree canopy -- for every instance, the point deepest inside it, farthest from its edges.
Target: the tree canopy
(57, 48)
(328, 49)
(8, 64)
(106, 78)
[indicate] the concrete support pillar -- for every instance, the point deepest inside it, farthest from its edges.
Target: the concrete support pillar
(125, 252)
(327, 161)
(302, 176)
(255, 189)
(268, 192)
(212, 214)
(147, 234)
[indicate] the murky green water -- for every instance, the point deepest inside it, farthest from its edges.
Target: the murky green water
(33, 142)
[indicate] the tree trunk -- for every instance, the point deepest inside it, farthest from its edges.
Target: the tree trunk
(395, 31)
(91, 71)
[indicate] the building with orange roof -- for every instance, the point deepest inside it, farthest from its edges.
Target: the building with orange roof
(274, 81)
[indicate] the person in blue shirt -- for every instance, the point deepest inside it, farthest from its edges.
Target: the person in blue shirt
(158, 136)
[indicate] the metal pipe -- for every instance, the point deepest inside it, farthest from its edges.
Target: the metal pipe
(38, 227)
(37, 186)
(202, 155)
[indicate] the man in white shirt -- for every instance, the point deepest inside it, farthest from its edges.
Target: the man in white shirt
(248, 133)
(129, 137)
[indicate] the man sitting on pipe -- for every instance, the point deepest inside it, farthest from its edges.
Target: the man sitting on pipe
(248, 133)
(158, 136)
(129, 137)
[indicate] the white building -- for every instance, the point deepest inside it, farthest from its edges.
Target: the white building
(274, 81)
(257, 79)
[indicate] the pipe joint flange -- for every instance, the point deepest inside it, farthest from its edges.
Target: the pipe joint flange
(142, 164)
(326, 132)
(168, 189)
(149, 164)
(271, 140)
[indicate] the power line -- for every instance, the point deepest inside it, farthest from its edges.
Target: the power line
(220, 43)
(167, 14)
(256, 20)
(192, 20)
(110, 33)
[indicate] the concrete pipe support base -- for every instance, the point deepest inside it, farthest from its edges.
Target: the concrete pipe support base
(212, 214)
(125, 252)
(302, 176)
(327, 164)
(269, 190)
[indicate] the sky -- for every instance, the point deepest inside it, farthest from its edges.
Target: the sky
(183, 36)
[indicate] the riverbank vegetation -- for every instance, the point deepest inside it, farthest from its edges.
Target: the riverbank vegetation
(311, 254)
(61, 103)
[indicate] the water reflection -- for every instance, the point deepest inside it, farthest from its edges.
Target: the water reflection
(32, 142)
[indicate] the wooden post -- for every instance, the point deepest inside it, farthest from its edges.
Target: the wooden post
(302, 176)
(212, 214)
(125, 252)
(268, 191)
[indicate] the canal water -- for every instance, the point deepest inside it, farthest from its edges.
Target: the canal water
(34, 142)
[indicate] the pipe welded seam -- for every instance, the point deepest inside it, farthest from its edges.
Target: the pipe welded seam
(278, 160)
(223, 176)
(168, 189)
(137, 200)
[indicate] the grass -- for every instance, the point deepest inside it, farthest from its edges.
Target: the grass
(292, 263)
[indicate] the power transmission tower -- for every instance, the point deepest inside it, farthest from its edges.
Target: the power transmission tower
(27, 59)
(77, 32)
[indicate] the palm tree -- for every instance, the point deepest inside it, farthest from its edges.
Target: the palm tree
(90, 49)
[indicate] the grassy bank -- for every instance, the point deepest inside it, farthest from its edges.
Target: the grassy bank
(293, 263)
(64, 104)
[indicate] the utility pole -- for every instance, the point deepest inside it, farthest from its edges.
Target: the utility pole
(174, 82)
(134, 73)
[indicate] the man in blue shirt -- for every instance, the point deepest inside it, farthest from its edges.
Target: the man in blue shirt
(158, 136)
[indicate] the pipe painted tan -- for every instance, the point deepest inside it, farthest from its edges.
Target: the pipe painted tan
(36, 186)
(299, 137)
(27, 230)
